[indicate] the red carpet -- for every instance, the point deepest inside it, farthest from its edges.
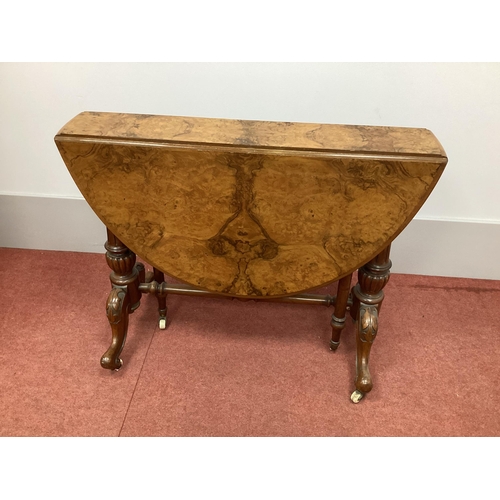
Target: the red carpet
(231, 368)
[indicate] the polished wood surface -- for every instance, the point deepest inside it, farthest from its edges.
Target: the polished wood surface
(248, 133)
(250, 209)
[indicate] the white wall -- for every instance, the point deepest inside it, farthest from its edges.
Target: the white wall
(458, 231)
(459, 102)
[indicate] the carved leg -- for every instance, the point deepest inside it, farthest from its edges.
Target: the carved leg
(124, 298)
(162, 300)
(338, 316)
(117, 309)
(368, 295)
(365, 335)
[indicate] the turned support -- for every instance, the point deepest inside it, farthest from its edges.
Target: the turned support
(123, 299)
(339, 313)
(159, 277)
(368, 296)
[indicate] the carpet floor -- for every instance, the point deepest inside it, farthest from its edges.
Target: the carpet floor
(232, 368)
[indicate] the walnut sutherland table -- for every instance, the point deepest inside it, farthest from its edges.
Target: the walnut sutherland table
(250, 209)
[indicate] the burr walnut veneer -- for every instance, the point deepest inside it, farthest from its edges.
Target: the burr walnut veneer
(248, 209)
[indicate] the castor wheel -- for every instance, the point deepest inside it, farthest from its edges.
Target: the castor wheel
(121, 364)
(162, 323)
(357, 396)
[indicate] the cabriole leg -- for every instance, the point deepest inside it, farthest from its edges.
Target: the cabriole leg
(368, 296)
(367, 327)
(117, 310)
(123, 299)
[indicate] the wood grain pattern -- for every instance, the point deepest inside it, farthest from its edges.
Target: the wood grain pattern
(250, 208)
(213, 131)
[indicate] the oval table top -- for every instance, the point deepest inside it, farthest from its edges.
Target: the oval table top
(249, 208)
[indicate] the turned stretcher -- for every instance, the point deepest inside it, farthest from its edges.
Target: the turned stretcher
(248, 209)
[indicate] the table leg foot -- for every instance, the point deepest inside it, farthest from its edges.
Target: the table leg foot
(334, 345)
(357, 396)
(162, 319)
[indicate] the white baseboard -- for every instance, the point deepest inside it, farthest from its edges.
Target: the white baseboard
(429, 247)
(50, 224)
(448, 248)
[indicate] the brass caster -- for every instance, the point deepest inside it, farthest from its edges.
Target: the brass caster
(357, 396)
(334, 345)
(121, 364)
(162, 323)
